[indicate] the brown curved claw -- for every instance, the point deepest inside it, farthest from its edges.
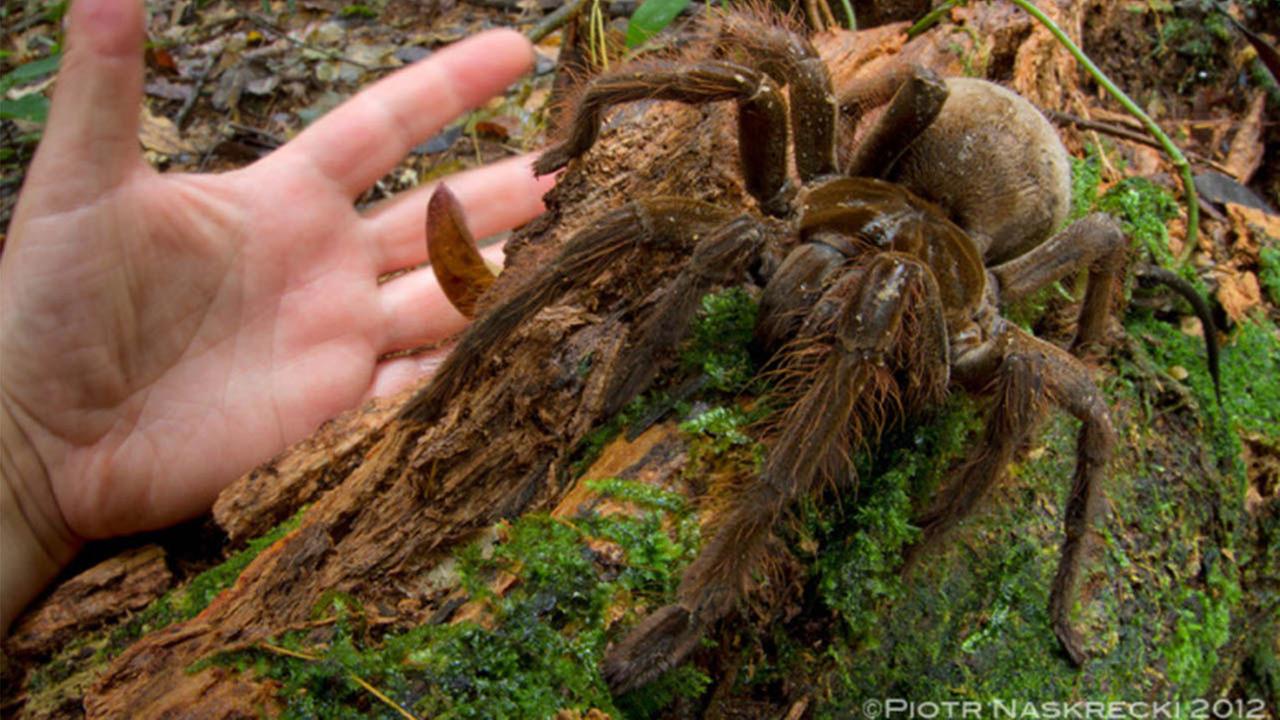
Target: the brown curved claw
(462, 271)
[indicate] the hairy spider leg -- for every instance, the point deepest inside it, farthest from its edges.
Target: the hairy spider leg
(914, 106)
(854, 330)
(722, 257)
(658, 223)
(1095, 242)
(761, 116)
(774, 46)
(1029, 375)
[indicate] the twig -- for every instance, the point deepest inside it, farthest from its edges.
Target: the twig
(931, 18)
(268, 138)
(281, 33)
(552, 22)
(1175, 155)
(1125, 133)
(181, 118)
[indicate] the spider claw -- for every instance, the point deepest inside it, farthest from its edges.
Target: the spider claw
(659, 643)
(1072, 642)
(463, 273)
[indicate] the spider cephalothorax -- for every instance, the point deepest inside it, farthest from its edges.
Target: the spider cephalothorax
(879, 293)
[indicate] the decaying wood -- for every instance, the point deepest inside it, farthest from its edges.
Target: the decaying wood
(106, 591)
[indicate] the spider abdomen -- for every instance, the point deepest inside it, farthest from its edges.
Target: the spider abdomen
(997, 166)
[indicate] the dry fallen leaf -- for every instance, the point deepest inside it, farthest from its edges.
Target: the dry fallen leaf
(1245, 156)
(159, 135)
(1238, 292)
(1248, 223)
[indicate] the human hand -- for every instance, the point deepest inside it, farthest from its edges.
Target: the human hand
(163, 334)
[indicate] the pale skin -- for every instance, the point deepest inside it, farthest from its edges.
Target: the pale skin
(161, 334)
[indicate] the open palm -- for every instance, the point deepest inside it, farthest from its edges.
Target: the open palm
(161, 334)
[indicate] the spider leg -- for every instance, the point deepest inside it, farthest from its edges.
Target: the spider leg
(914, 106)
(1031, 373)
(853, 333)
(787, 56)
(656, 223)
(722, 257)
(761, 117)
(1095, 242)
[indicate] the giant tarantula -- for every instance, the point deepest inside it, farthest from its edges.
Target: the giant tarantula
(870, 291)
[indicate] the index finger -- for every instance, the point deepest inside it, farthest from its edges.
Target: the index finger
(368, 135)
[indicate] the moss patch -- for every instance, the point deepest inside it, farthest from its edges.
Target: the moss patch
(539, 648)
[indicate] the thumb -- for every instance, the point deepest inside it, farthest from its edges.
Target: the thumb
(90, 143)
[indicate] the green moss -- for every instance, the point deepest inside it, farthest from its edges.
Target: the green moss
(720, 339)
(1250, 377)
(858, 568)
(1204, 625)
(1144, 210)
(188, 601)
(540, 648)
(1269, 272)
(1086, 175)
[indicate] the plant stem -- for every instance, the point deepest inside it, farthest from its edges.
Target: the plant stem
(931, 18)
(1175, 155)
(850, 18)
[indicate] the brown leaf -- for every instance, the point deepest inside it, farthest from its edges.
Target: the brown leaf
(159, 135)
(161, 59)
(1239, 293)
(498, 128)
(1247, 146)
(1249, 224)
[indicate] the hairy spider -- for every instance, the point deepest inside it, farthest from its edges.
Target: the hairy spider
(880, 295)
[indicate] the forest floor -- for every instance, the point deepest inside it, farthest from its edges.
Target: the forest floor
(1183, 604)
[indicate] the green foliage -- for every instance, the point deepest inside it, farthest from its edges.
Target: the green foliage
(721, 427)
(1269, 272)
(651, 18)
(720, 340)
(1086, 175)
(539, 652)
(35, 106)
(1143, 209)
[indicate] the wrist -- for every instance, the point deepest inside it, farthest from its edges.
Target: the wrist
(35, 542)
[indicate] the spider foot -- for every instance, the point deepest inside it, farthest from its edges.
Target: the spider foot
(660, 642)
(1071, 639)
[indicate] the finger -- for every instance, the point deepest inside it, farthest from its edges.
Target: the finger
(494, 198)
(399, 373)
(415, 310)
(90, 142)
(363, 139)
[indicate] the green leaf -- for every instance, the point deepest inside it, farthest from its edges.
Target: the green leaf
(651, 17)
(32, 108)
(30, 71)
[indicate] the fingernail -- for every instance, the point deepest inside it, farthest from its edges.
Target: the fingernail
(108, 27)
